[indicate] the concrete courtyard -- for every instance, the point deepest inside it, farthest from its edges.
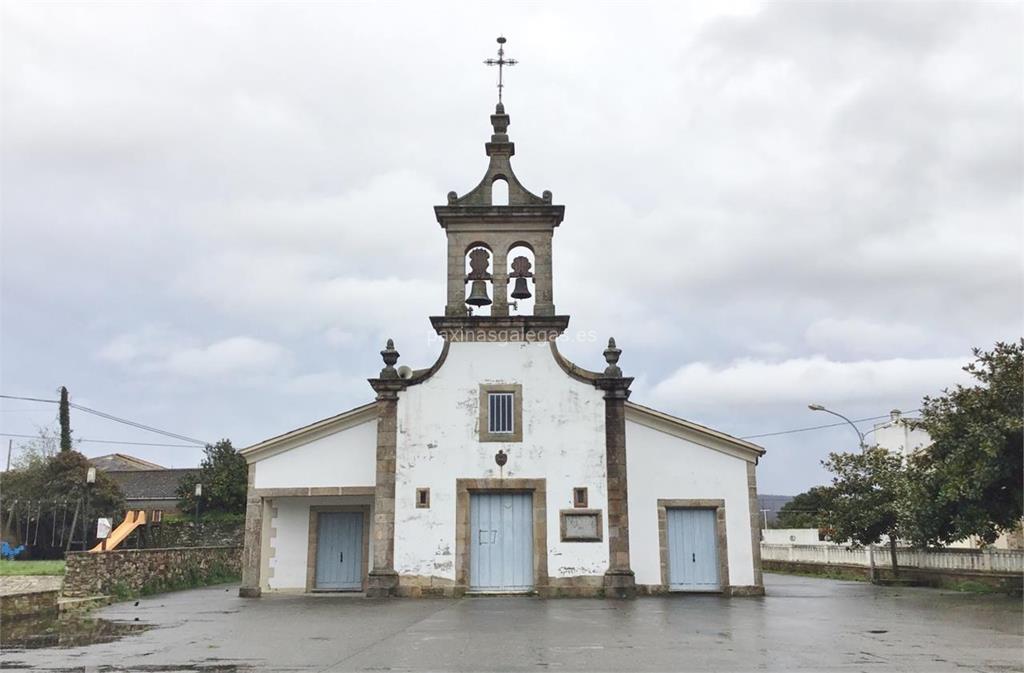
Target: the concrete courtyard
(803, 624)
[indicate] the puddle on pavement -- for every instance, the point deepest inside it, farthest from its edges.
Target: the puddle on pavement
(54, 630)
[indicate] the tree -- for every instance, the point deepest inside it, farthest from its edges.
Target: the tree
(65, 420)
(971, 479)
(224, 476)
(870, 497)
(37, 450)
(807, 510)
(45, 493)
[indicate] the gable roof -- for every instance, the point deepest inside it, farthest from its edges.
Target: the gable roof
(308, 433)
(122, 461)
(150, 484)
(694, 432)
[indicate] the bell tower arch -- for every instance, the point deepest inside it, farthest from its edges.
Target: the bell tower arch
(475, 222)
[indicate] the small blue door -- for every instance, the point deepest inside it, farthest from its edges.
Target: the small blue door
(692, 550)
(339, 551)
(501, 542)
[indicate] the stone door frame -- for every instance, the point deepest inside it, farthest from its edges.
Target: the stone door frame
(721, 538)
(463, 535)
(314, 530)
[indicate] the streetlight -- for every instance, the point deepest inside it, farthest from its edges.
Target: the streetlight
(199, 494)
(860, 435)
(90, 479)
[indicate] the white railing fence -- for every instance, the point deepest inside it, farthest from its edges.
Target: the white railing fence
(976, 560)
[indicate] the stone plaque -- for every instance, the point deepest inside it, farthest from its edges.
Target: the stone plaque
(581, 525)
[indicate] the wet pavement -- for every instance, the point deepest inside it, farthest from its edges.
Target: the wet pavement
(803, 624)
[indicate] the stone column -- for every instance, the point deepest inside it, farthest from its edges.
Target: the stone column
(383, 580)
(755, 526)
(544, 301)
(619, 580)
(456, 303)
(253, 540)
(499, 280)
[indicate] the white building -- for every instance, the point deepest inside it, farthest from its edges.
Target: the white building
(897, 435)
(502, 467)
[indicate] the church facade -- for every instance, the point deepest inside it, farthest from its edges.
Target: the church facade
(503, 467)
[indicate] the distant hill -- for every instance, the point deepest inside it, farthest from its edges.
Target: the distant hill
(772, 503)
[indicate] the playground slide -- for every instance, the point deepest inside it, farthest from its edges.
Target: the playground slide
(132, 520)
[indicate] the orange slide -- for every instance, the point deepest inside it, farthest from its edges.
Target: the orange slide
(132, 520)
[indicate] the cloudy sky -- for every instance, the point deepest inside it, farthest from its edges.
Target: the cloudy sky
(213, 214)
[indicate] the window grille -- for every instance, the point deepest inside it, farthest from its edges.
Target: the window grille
(499, 416)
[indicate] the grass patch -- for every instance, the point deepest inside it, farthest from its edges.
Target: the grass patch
(970, 586)
(9, 568)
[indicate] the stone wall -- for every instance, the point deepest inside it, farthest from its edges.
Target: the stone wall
(184, 533)
(27, 604)
(143, 571)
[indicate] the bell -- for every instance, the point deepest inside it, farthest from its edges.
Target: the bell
(521, 290)
(478, 294)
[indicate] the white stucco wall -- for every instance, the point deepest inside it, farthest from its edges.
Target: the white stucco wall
(290, 541)
(898, 437)
(345, 458)
(563, 442)
(662, 466)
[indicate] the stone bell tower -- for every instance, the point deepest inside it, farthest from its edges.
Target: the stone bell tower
(482, 229)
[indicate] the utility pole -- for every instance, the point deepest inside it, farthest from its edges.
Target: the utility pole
(65, 420)
(10, 445)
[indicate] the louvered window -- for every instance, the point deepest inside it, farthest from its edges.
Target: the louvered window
(499, 413)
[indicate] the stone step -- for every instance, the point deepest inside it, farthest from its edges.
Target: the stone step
(69, 604)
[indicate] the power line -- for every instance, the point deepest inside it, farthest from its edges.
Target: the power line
(103, 441)
(110, 417)
(141, 426)
(821, 427)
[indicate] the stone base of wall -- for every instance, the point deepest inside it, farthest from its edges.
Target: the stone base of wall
(583, 586)
(427, 586)
(141, 571)
(13, 606)
(662, 590)
(947, 579)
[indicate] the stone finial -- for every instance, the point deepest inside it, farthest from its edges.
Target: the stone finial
(611, 356)
(452, 198)
(390, 356)
(546, 196)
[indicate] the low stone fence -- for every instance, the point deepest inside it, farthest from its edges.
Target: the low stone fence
(132, 572)
(965, 560)
(28, 604)
(998, 569)
(181, 533)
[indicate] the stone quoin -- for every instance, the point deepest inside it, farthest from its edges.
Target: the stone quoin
(503, 467)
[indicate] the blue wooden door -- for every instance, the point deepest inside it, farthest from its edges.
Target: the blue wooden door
(339, 551)
(501, 542)
(692, 550)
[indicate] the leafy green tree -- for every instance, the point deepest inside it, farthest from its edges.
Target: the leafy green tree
(36, 451)
(870, 497)
(970, 481)
(807, 510)
(48, 489)
(224, 476)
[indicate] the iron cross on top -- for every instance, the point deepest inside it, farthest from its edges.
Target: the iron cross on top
(501, 62)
